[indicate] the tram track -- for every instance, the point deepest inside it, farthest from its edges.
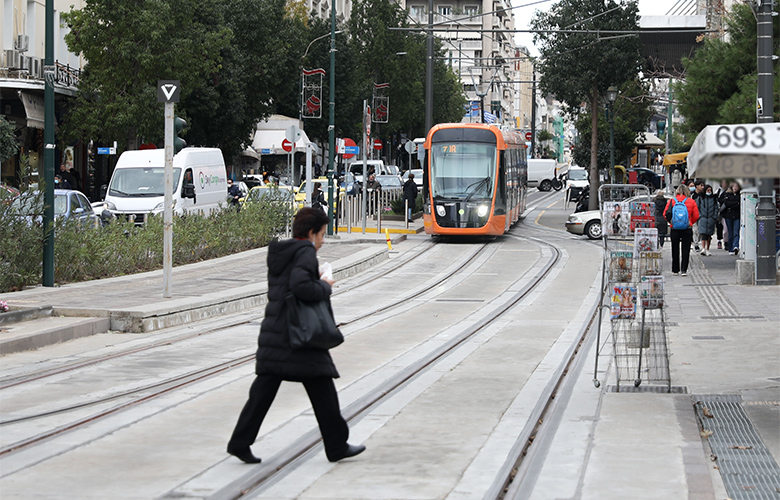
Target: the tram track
(162, 388)
(222, 324)
(281, 463)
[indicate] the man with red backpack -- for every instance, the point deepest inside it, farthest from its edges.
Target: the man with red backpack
(682, 213)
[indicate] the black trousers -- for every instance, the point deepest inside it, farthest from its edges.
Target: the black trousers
(681, 249)
(324, 399)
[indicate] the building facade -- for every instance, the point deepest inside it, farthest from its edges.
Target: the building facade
(23, 37)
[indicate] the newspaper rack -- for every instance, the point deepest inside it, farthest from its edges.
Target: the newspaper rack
(632, 287)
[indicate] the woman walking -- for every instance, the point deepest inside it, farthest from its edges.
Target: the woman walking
(730, 201)
(708, 218)
(292, 267)
(660, 222)
(318, 198)
(681, 232)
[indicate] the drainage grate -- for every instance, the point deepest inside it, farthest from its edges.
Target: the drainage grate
(748, 470)
(663, 389)
(708, 337)
(733, 317)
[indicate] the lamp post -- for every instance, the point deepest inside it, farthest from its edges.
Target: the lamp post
(331, 116)
(612, 93)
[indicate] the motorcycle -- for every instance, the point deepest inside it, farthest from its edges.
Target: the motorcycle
(583, 201)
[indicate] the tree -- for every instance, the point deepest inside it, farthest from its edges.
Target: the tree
(720, 79)
(578, 64)
(631, 110)
(9, 144)
(129, 46)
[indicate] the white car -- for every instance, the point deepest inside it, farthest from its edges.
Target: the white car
(588, 223)
(418, 176)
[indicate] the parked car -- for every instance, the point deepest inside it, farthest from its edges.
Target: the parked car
(647, 177)
(68, 204)
(588, 223)
(300, 195)
(390, 182)
(577, 182)
(418, 176)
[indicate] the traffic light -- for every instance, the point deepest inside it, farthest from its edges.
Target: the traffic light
(178, 142)
(661, 126)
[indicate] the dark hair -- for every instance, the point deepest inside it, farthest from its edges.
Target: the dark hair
(707, 186)
(411, 175)
(699, 182)
(308, 219)
(317, 185)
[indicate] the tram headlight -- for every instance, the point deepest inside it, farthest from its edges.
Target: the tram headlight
(482, 210)
(441, 210)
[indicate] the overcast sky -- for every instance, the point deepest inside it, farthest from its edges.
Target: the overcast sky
(525, 9)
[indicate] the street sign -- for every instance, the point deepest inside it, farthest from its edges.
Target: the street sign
(106, 151)
(293, 134)
(287, 145)
(410, 146)
(350, 148)
(266, 151)
(528, 136)
(168, 90)
(377, 144)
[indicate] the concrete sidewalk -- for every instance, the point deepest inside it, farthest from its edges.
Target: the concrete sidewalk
(41, 316)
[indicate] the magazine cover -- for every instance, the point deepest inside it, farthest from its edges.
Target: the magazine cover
(642, 215)
(645, 240)
(620, 264)
(617, 219)
(651, 291)
(623, 304)
(650, 263)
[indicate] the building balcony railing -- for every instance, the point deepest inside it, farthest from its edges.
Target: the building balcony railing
(33, 68)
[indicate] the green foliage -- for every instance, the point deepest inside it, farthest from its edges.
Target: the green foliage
(632, 112)
(9, 144)
(84, 253)
(398, 205)
(129, 46)
(578, 67)
(720, 78)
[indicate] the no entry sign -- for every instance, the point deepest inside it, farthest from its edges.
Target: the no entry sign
(377, 144)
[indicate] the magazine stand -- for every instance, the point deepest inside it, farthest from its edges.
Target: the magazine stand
(632, 287)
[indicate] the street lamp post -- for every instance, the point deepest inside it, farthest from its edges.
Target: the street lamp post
(612, 93)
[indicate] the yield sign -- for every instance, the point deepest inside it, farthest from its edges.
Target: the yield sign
(287, 145)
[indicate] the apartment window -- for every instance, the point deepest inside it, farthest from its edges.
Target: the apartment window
(471, 10)
(478, 58)
(445, 10)
(418, 11)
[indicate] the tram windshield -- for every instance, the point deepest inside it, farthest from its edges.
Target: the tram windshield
(462, 170)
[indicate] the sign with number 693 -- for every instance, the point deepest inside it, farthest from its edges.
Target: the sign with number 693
(749, 138)
(740, 150)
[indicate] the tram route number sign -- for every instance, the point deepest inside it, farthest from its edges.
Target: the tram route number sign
(749, 138)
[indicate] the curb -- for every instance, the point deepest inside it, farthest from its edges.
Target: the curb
(84, 328)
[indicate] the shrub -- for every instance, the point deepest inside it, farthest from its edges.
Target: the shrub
(398, 205)
(85, 253)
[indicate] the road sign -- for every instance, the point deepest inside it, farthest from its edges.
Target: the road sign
(293, 134)
(528, 136)
(410, 146)
(266, 151)
(350, 148)
(106, 151)
(168, 90)
(287, 145)
(377, 144)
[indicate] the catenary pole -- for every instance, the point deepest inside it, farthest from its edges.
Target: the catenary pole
(332, 116)
(429, 72)
(766, 267)
(48, 151)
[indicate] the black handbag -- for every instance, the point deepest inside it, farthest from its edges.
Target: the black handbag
(311, 325)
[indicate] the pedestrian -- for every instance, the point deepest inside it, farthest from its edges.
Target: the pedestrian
(730, 201)
(681, 232)
(660, 222)
(292, 267)
(373, 188)
(697, 190)
(410, 196)
(719, 226)
(318, 198)
(708, 218)
(67, 178)
(234, 193)
(60, 183)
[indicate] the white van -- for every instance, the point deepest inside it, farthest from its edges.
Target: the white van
(542, 173)
(137, 184)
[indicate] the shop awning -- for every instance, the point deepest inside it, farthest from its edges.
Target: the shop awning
(742, 150)
(34, 108)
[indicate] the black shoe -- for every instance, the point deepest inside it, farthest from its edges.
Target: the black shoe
(409, 220)
(245, 456)
(351, 451)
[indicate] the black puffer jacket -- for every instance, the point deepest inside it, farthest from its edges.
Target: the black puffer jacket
(660, 221)
(292, 265)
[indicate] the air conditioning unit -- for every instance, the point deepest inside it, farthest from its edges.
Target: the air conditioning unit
(26, 63)
(22, 43)
(12, 59)
(37, 67)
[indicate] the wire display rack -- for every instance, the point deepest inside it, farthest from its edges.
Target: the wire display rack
(632, 287)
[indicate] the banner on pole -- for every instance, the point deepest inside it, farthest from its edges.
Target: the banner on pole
(311, 98)
(381, 102)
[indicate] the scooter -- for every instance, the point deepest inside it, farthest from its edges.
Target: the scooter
(583, 201)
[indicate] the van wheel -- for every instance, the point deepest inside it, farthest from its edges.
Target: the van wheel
(545, 185)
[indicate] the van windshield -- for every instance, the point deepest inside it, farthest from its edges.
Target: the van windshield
(141, 181)
(578, 175)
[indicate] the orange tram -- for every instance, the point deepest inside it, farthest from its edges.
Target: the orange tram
(474, 179)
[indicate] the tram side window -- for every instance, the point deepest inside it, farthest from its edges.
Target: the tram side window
(501, 193)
